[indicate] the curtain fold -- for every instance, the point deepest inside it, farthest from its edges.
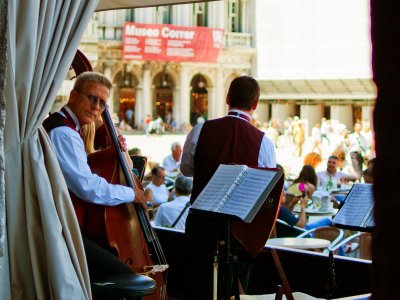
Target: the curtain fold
(3, 67)
(45, 252)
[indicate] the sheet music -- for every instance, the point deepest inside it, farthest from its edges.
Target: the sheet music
(358, 208)
(249, 190)
(218, 186)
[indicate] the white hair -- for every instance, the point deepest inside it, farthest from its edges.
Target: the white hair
(174, 145)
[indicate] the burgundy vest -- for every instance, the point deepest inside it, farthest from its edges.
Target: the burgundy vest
(57, 120)
(224, 141)
(92, 224)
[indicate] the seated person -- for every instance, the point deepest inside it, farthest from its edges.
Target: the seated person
(173, 214)
(313, 159)
(303, 189)
(331, 177)
(305, 183)
(172, 162)
(135, 152)
(156, 191)
(286, 182)
(368, 173)
(301, 221)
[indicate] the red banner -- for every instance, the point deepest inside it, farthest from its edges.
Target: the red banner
(171, 43)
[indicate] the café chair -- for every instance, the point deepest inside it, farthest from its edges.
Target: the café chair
(283, 229)
(360, 245)
(125, 286)
(332, 234)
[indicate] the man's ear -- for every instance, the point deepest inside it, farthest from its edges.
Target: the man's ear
(228, 101)
(72, 96)
(254, 106)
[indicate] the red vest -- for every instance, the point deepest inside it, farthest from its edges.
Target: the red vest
(92, 224)
(224, 141)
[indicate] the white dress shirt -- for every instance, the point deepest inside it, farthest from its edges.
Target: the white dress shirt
(266, 155)
(325, 176)
(80, 180)
(170, 164)
(167, 213)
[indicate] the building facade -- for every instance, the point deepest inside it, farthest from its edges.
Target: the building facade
(184, 91)
(270, 40)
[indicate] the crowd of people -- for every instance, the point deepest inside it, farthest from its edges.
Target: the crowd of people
(173, 184)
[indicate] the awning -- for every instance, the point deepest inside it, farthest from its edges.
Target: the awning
(318, 89)
(119, 4)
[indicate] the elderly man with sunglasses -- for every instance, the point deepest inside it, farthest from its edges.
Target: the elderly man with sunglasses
(87, 101)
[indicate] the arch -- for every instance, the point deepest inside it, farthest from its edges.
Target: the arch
(124, 96)
(164, 83)
(198, 99)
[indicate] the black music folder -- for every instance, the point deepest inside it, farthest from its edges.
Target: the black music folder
(237, 190)
(357, 212)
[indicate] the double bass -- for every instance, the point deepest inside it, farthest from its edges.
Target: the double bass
(125, 228)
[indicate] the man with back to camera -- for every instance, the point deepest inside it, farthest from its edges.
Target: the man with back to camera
(87, 100)
(231, 139)
(174, 213)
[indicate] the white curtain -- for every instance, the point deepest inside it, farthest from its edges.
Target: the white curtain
(44, 255)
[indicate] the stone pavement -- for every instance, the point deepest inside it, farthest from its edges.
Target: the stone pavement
(157, 147)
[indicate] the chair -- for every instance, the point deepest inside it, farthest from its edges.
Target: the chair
(131, 286)
(364, 241)
(283, 229)
(334, 235)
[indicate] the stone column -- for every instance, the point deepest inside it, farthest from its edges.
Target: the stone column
(366, 114)
(262, 112)
(108, 73)
(244, 16)
(220, 95)
(310, 114)
(175, 104)
(146, 91)
(342, 114)
(139, 111)
(212, 102)
(281, 111)
(184, 13)
(184, 103)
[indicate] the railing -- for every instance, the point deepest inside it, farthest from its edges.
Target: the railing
(238, 39)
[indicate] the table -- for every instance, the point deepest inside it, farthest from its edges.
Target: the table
(299, 243)
(311, 211)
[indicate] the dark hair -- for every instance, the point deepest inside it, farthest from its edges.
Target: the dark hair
(333, 157)
(183, 185)
(134, 151)
(154, 171)
(307, 174)
(243, 92)
(371, 162)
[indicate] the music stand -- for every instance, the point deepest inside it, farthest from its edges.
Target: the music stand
(253, 228)
(357, 212)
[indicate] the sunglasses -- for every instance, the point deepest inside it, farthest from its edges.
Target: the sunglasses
(94, 100)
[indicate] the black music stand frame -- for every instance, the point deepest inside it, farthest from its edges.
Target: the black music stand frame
(228, 265)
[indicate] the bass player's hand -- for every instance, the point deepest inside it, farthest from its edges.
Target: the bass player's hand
(139, 198)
